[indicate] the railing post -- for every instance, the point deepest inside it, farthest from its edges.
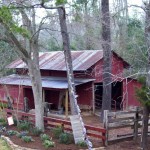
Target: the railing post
(105, 122)
(135, 134)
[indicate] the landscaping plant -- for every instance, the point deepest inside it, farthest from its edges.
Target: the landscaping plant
(44, 137)
(27, 139)
(57, 132)
(82, 144)
(24, 125)
(66, 138)
(21, 134)
(48, 143)
(36, 131)
(11, 132)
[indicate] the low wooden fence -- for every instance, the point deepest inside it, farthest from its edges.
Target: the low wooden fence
(92, 131)
(123, 119)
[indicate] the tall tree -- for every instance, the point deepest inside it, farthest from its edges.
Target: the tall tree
(146, 109)
(106, 45)
(25, 39)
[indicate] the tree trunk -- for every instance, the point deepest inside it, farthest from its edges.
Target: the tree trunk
(144, 140)
(106, 44)
(68, 60)
(146, 109)
(35, 77)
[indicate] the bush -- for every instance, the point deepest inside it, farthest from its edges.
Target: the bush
(27, 139)
(21, 134)
(3, 122)
(44, 137)
(11, 132)
(82, 144)
(36, 131)
(24, 125)
(57, 132)
(66, 138)
(48, 143)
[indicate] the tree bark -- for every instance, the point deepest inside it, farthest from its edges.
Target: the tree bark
(68, 60)
(106, 45)
(146, 109)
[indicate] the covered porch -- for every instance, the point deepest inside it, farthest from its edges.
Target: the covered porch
(55, 94)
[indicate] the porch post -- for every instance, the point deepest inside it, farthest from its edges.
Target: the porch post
(66, 104)
(43, 95)
(93, 97)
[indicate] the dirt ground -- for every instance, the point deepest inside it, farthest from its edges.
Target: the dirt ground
(90, 120)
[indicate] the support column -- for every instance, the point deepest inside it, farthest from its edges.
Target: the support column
(66, 104)
(93, 97)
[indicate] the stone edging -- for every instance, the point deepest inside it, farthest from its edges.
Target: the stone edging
(14, 146)
(17, 147)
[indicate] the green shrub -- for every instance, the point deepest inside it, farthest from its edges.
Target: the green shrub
(66, 138)
(27, 139)
(82, 144)
(57, 132)
(24, 125)
(3, 122)
(11, 132)
(48, 143)
(44, 137)
(36, 131)
(21, 134)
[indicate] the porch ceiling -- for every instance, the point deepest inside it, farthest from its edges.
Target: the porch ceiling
(47, 82)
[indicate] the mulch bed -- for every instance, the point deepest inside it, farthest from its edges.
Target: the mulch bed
(37, 143)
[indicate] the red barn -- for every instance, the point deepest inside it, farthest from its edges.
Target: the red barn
(88, 69)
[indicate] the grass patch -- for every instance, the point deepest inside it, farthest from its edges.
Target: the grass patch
(3, 145)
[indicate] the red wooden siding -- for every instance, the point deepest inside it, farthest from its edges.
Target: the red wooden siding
(85, 93)
(15, 92)
(129, 91)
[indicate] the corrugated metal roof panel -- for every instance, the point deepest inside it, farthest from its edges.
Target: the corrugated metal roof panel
(47, 82)
(82, 60)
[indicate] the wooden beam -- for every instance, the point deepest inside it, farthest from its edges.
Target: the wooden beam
(43, 95)
(66, 104)
(93, 97)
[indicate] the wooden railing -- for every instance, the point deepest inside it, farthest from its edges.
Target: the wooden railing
(92, 131)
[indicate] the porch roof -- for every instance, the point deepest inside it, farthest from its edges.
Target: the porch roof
(47, 82)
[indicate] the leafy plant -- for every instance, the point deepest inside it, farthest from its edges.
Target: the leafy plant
(11, 132)
(36, 131)
(57, 132)
(44, 137)
(21, 134)
(48, 143)
(82, 144)
(3, 122)
(24, 125)
(66, 138)
(27, 139)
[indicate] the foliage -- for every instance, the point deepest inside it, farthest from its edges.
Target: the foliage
(21, 134)
(82, 144)
(3, 105)
(27, 139)
(60, 2)
(3, 145)
(66, 138)
(36, 131)
(7, 19)
(44, 137)
(3, 122)
(24, 125)
(143, 94)
(57, 132)
(48, 144)
(11, 132)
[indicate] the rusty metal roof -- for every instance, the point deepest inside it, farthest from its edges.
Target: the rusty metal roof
(82, 60)
(47, 82)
